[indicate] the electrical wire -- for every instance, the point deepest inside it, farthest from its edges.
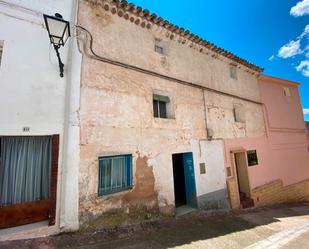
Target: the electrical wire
(155, 74)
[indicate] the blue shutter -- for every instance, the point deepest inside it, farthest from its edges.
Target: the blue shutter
(115, 174)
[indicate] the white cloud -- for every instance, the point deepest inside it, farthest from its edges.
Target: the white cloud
(307, 51)
(305, 32)
(271, 58)
(300, 9)
(290, 49)
(306, 111)
(294, 47)
(303, 67)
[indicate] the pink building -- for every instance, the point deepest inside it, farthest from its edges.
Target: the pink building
(273, 168)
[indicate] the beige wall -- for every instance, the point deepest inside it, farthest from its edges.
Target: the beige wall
(117, 118)
(220, 117)
(117, 115)
(117, 38)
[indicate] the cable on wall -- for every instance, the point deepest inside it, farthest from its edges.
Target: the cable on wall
(96, 56)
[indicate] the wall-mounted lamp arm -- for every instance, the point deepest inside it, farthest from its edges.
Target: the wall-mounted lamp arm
(61, 65)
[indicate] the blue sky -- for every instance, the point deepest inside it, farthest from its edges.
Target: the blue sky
(268, 33)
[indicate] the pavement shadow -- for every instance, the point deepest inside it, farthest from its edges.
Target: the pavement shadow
(169, 233)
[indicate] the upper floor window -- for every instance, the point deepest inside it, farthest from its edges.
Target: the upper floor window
(286, 91)
(252, 158)
(233, 72)
(1, 49)
(161, 47)
(239, 114)
(115, 174)
(160, 106)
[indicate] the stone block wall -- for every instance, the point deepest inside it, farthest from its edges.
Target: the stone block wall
(275, 193)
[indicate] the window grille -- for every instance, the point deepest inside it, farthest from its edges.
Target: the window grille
(115, 174)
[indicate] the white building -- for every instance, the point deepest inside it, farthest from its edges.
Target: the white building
(37, 108)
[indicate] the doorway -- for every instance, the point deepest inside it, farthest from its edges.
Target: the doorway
(184, 179)
(243, 180)
(28, 179)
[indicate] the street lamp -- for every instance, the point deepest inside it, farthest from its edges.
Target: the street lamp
(58, 31)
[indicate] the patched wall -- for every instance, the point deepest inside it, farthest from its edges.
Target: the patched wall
(117, 113)
(221, 117)
(117, 118)
(126, 40)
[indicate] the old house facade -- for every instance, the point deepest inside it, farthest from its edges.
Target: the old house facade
(147, 116)
(157, 104)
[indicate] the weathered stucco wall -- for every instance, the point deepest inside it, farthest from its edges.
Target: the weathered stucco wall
(220, 117)
(123, 40)
(117, 118)
(117, 114)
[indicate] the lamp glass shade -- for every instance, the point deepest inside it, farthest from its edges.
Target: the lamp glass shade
(58, 29)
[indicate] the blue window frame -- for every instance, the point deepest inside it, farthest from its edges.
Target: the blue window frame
(115, 174)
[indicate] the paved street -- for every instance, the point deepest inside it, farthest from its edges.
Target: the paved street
(278, 227)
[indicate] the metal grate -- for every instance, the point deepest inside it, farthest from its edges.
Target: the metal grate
(115, 174)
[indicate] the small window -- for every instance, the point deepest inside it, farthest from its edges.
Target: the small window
(286, 91)
(115, 174)
(239, 114)
(160, 106)
(161, 47)
(228, 172)
(233, 72)
(252, 158)
(1, 49)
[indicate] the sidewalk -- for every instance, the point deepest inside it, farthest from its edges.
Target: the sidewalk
(275, 227)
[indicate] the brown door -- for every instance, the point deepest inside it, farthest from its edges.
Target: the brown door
(33, 211)
(242, 173)
(243, 180)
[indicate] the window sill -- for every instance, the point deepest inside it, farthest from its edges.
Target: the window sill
(157, 119)
(164, 122)
(115, 193)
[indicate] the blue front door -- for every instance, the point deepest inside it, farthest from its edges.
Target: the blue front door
(189, 178)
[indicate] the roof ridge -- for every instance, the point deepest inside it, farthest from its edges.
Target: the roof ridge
(123, 6)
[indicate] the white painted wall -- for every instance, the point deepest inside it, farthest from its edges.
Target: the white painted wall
(210, 153)
(32, 93)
